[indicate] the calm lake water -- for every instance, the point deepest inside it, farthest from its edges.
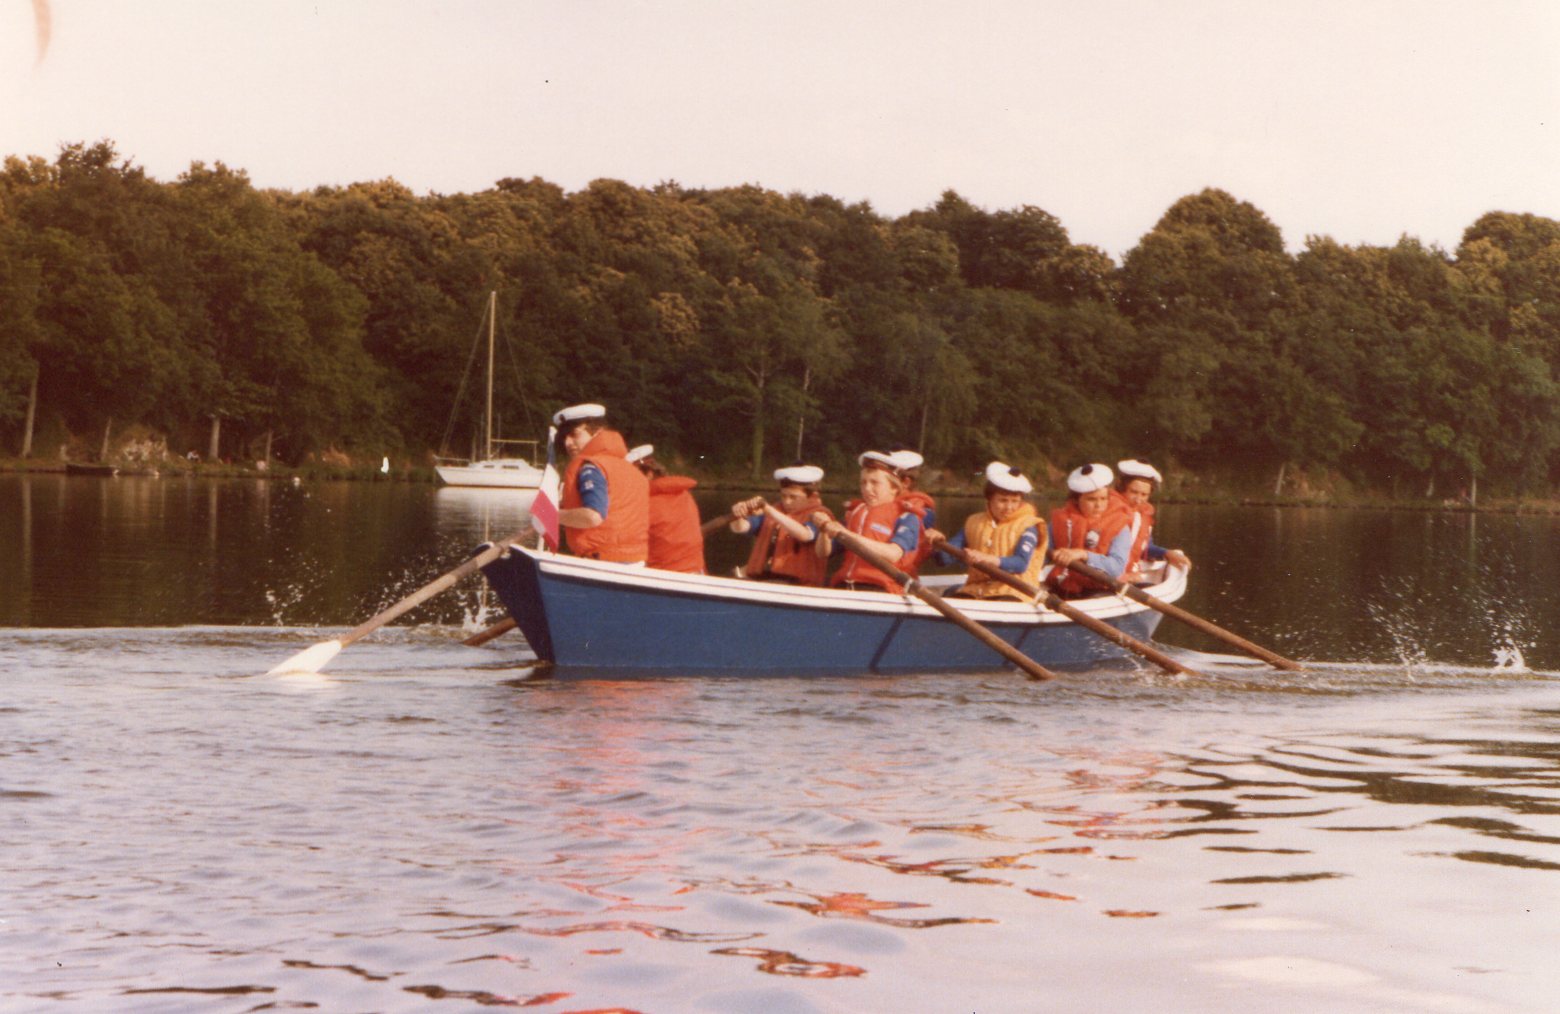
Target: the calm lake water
(425, 826)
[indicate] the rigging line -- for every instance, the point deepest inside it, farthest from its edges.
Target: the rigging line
(460, 392)
(525, 403)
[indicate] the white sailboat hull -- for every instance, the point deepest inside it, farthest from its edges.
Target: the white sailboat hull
(505, 473)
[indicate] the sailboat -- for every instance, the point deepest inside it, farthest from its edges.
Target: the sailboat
(494, 469)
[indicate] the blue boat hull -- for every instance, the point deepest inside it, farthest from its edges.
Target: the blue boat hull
(583, 614)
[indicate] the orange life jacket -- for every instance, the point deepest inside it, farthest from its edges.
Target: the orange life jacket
(624, 535)
(922, 503)
(876, 524)
(675, 540)
(1142, 527)
(983, 534)
(777, 554)
(1071, 530)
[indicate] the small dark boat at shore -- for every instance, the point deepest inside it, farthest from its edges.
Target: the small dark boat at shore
(100, 469)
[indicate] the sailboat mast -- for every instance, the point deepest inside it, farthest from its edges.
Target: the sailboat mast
(492, 325)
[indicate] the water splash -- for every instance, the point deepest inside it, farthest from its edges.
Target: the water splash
(1510, 631)
(1508, 658)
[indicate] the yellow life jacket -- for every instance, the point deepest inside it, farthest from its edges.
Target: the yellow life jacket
(983, 534)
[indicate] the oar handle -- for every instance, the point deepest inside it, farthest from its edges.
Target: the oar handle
(1055, 603)
(1174, 611)
(716, 524)
(433, 588)
(861, 547)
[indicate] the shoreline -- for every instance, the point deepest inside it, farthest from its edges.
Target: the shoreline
(1218, 497)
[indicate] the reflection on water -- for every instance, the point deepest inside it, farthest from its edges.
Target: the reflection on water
(414, 829)
(1416, 589)
(486, 513)
(427, 825)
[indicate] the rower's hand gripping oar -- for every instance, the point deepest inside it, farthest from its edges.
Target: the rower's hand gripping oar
(1137, 594)
(862, 548)
(1056, 604)
(713, 525)
(316, 657)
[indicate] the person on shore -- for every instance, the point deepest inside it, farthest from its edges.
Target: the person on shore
(676, 543)
(785, 543)
(1008, 534)
(1089, 528)
(605, 505)
(909, 463)
(881, 515)
(1136, 484)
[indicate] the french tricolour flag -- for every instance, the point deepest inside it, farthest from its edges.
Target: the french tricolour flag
(544, 509)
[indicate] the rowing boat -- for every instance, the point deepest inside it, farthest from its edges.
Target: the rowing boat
(101, 469)
(597, 616)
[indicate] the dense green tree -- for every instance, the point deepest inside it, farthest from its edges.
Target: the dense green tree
(739, 325)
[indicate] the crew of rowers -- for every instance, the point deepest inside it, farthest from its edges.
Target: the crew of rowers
(621, 505)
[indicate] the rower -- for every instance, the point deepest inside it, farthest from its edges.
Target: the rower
(909, 463)
(1138, 481)
(1088, 528)
(785, 544)
(676, 543)
(1007, 534)
(881, 515)
(605, 506)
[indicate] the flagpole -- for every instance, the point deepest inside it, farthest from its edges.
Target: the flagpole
(544, 509)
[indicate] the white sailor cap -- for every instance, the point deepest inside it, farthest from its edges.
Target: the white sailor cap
(801, 475)
(1006, 477)
(640, 453)
(579, 413)
(905, 459)
(1088, 478)
(880, 459)
(1132, 468)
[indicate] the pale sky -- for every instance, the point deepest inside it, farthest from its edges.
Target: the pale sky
(1358, 120)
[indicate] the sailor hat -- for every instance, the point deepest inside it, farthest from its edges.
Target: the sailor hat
(1132, 468)
(1088, 478)
(1006, 477)
(801, 475)
(640, 453)
(905, 459)
(579, 413)
(877, 459)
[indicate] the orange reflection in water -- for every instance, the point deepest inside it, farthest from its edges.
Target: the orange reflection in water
(853, 905)
(650, 930)
(786, 963)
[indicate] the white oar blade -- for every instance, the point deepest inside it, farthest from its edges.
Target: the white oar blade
(309, 660)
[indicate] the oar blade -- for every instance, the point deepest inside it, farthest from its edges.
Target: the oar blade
(310, 660)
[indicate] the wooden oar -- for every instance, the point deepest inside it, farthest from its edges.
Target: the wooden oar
(1137, 594)
(716, 524)
(316, 657)
(861, 547)
(1057, 604)
(498, 629)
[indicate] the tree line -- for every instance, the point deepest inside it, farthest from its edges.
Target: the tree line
(742, 328)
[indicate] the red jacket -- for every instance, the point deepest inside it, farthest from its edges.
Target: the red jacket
(1071, 530)
(675, 540)
(776, 554)
(1142, 523)
(876, 524)
(624, 535)
(922, 504)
